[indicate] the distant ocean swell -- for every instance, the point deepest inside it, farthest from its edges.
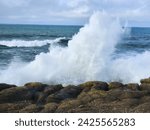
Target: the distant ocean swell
(31, 43)
(89, 56)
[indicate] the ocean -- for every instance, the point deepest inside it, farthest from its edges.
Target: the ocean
(24, 42)
(73, 54)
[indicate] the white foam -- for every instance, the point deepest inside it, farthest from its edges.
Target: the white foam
(131, 68)
(33, 43)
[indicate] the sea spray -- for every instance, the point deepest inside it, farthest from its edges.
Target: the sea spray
(87, 57)
(131, 68)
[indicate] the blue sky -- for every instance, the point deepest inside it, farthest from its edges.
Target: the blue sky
(72, 12)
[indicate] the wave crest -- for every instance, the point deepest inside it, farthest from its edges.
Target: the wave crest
(33, 43)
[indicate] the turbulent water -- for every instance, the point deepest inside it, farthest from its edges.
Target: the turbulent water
(100, 50)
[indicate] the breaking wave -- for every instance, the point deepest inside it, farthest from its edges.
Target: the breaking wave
(33, 43)
(87, 57)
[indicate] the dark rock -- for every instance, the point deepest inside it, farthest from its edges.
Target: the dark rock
(133, 86)
(52, 89)
(145, 81)
(69, 92)
(37, 86)
(15, 94)
(65, 93)
(6, 86)
(114, 85)
(94, 85)
(53, 99)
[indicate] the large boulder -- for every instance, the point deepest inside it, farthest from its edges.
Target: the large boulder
(94, 85)
(115, 85)
(133, 86)
(37, 86)
(52, 89)
(146, 81)
(86, 97)
(15, 94)
(67, 92)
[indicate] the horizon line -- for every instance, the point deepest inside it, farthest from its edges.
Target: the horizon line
(62, 25)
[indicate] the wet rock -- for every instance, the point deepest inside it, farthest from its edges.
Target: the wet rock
(133, 86)
(37, 86)
(115, 85)
(65, 93)
(145, 81)
(6, 86)
(50, 108)
(52, 89)
(94, 85)
(15, 94)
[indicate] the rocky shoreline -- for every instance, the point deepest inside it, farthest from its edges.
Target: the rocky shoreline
(89, 97)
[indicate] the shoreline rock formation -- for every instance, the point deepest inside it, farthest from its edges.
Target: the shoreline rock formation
(88, 97)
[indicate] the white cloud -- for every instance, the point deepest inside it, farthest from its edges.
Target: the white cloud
(71, 11)
(14, 3)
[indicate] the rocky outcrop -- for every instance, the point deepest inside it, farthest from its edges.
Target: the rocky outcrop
(6, 86)
(92, 96)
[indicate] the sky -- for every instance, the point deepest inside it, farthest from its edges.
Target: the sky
(72, 12)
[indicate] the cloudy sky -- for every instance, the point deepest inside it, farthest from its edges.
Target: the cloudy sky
(73, 12)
